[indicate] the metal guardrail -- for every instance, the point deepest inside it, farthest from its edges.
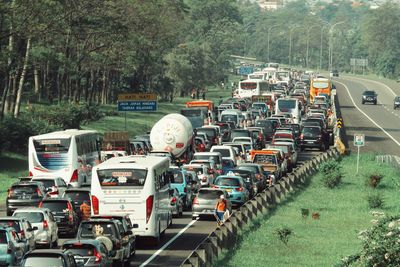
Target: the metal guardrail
(389, 159)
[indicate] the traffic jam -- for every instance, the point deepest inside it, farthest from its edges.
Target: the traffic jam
(90, 199)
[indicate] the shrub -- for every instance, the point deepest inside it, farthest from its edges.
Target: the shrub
(375, 201)
(380, 244)
(330, 167)
(284, 234)
(373, 180)
(332, 179)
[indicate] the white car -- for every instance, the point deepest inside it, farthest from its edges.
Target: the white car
(47, 230)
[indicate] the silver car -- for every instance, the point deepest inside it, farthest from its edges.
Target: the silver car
(205, 201)
(47, 230)
(22, 227)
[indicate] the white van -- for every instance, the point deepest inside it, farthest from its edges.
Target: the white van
(227, 152)
(289, 105)
(136, 185)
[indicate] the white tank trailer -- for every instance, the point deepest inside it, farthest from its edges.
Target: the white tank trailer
(173, 133)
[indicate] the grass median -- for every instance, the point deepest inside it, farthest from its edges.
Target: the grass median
(326, 238)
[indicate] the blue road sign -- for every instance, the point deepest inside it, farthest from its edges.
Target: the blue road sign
(137, 106)
(245, 70)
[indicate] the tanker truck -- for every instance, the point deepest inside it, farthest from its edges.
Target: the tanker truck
(173, 133)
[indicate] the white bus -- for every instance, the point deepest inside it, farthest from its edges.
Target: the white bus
(289, 105)
(69, 154)
(137, 185)
(248, 88)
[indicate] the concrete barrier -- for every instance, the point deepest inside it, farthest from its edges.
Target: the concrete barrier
(225, 237)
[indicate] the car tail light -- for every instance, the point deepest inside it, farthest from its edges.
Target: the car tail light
(9, 250)
(74, 177)
(117, 244)
(214, 186)
(97, 255)
(30, 173)
(149, 207)
(95, 205)
(10, 192)
(22, 234)
(173, 201)
(195, 201)
(219, 172)
(240, 189)
(45, 224)
(53, 193)
(41, 204)
(210, 171)
(185, 189)
(70, 218)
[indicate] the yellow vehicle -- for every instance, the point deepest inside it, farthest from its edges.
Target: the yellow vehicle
(320, 86)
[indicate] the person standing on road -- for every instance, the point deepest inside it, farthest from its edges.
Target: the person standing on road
(220, 208)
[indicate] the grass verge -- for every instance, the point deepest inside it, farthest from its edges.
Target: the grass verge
(343, 211)
(12, 166)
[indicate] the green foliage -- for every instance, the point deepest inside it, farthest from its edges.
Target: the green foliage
(283, 234)
(375, 201)
(380, 244)
(331, 173)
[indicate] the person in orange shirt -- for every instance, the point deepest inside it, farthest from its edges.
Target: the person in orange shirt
(220, 208)
(85, 211)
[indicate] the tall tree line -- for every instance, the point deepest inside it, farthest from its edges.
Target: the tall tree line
(91, 50)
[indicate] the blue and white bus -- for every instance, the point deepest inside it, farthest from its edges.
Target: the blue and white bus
(69, 154)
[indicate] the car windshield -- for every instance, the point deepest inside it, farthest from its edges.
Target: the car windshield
(51, 260)
(265, 158)
(32, 217)
(56, 206)
(175, 176)
(209, 194)
(240, 134)
(369, 93)
(227, 182)
(80, 249)
(311, 131)
(46, 182)
(224, 152)
(24, 189)
(11, 223)
(95, 229)
(248, 168)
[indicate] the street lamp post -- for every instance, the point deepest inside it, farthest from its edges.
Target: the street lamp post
(290, 43)
(320, 51)
(331, 43)
(268, 31)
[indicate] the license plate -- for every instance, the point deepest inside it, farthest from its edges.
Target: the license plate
(228, 190)
(310, 142)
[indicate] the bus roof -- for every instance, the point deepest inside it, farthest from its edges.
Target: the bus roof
(134, 161)
(321, 80)
(64, 134)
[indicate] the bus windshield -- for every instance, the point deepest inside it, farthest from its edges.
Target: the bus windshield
(122, 177)
(320, 85)
(285, 105)
(191, 112)
(52, 153)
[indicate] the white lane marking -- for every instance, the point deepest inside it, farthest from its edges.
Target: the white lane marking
(376, 124)
(167, 244)
(385, 85)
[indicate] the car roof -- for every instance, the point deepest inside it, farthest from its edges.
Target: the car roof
(58, 199)
(44, 252)
(12, 218)
(31, 209)
(83, 241)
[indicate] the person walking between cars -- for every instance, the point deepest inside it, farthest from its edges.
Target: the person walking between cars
(220, 209)
(85, 210)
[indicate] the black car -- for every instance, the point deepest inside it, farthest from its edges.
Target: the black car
(77, 196)
(111, 233)
(49, 257)
(312, 137)
(370, 97)
(396, 102)
(334, 73)
(269, 127)
(24, 194)
(66, 218)
(225, 131)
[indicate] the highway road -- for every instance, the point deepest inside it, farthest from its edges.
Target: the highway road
(380, 123)
(180, 239)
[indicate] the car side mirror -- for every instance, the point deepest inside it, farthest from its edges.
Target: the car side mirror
(135, 225)
(129, 232)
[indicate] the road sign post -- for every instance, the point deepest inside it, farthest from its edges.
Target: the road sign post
(140, 102)
(359, 140)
